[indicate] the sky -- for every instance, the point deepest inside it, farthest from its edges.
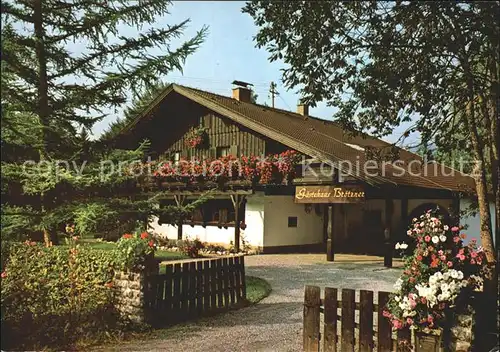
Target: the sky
(228, 53)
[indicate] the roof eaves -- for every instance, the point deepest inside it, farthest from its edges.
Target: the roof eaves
(149, 108)
(264, 130)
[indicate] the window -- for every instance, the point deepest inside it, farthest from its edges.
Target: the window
(176, 156)
(292, 221)
(222, 151)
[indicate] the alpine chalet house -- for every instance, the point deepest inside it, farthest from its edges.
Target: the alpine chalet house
(333, 192)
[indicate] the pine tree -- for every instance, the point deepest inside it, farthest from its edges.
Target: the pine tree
(65, 65)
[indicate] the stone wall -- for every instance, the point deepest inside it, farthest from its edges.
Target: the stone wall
(131, 293)
(462, 333)
(130, 302)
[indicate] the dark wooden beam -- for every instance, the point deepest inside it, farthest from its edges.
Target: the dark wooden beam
(330, 253)
(389, 210)
(404, 217)
(455, 210)
(179, 200)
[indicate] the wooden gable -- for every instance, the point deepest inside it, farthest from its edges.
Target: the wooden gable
(169, 124)
(222, 134)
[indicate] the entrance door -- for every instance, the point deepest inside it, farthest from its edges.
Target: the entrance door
(373, 233)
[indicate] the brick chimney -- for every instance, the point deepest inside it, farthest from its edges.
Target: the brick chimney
(242, 94)
(303, 109)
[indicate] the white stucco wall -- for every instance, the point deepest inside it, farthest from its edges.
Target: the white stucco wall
(253, 234)
(309, 228)
(254, 219)
(472, 221)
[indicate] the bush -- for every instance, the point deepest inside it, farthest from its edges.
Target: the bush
(191, 248)
(55, 296)
(134, 250)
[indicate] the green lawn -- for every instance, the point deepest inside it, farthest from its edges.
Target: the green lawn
(160, 254)
(98, 244)
(257, 289)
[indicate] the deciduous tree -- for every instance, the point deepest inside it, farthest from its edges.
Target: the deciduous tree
(434, 65)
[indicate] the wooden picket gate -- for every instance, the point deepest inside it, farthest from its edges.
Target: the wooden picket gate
(195, 288)
(369, 338)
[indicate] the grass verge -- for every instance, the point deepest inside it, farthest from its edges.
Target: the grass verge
(257, 289)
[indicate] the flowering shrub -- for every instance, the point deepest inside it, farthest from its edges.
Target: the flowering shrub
(191, 248)
(53, 296)
(274, 169)
(134, 250)
(439, 270)
(196, 138)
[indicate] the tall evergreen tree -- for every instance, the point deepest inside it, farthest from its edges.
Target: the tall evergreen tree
(64, 65)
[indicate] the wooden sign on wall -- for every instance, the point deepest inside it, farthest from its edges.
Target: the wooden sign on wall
(329, 194)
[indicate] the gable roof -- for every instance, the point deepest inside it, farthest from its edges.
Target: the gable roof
(320, 139)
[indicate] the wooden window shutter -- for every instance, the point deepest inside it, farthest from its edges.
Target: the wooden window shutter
(222, 216)
(197, 215)
(234, 150)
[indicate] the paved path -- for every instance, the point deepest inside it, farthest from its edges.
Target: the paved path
(274, 324)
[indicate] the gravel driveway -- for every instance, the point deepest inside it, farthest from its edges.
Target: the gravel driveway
(274, 324)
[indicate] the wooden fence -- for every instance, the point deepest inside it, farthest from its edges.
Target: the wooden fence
(345, 338)
(194, 288)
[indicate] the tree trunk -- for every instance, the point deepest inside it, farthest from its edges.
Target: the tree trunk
(486, 317)
(43, 98)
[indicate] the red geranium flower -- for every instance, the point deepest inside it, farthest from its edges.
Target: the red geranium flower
(127, 235)
(151, 243)
(144, 235)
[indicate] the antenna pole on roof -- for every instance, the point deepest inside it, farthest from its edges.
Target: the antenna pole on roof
(273, 92)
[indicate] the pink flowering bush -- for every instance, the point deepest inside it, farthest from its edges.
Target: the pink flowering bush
(273, 169)
(440, 269)
(196, 138)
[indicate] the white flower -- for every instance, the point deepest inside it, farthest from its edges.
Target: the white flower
(397, 299)
(445, 227)
(398, 246)
(435, 239)
(398, 284)
(408, 232)
(454, 274)
(460, 275)
(422, 224)
(403, 245)
(415, 219)
(442, 238)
